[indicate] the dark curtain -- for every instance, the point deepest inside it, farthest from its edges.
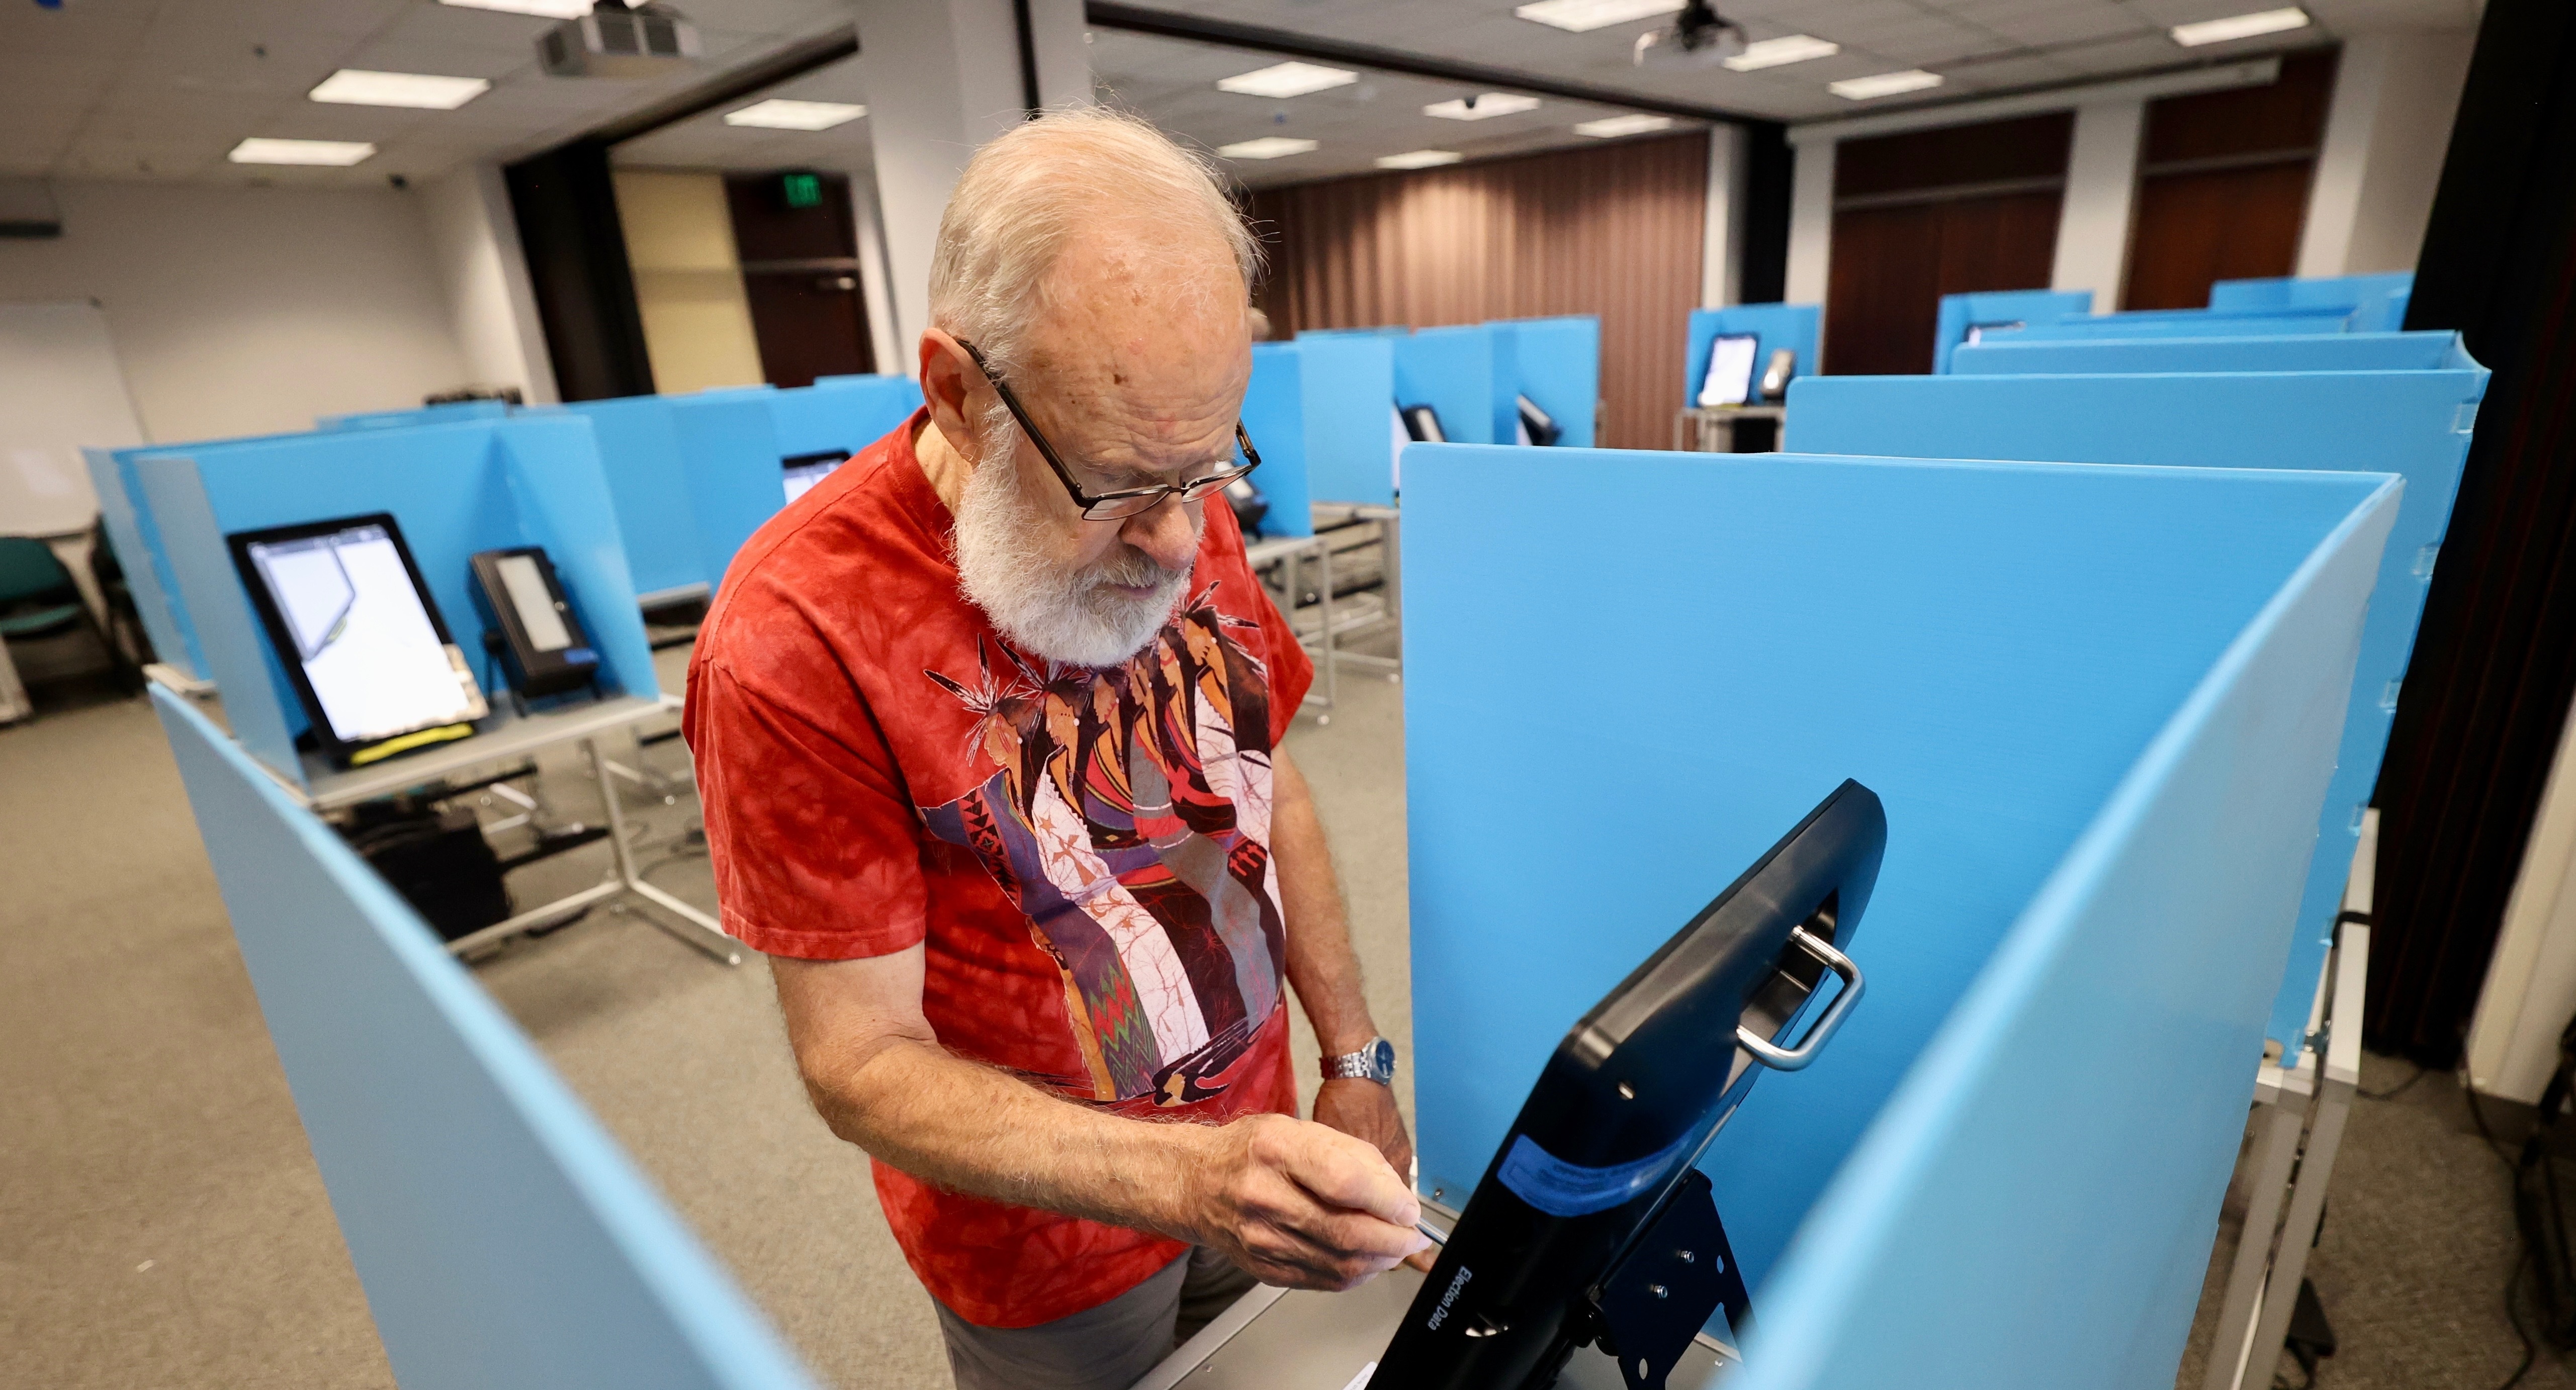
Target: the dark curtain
(2485, 699)
(566, 208)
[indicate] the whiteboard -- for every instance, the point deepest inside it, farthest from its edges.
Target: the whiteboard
(60, 389)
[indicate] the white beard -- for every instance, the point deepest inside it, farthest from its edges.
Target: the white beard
(1074, 616)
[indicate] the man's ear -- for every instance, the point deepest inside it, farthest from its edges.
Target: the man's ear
(948, 380)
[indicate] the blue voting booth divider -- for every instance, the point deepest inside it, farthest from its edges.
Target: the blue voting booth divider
(1792, 326)
(2187, 323)
(2414, 424)
(136, 538)
(1989, 309)
(1452, 371)
(1557, 364)
(729, 471)
(446, 414)
(2100, 705)
(504, 1240)
(455, 489)
(2323, 352)
(2378, 302)
(847, 413)
(1349, 388)
(640, 455)
(1274, 414)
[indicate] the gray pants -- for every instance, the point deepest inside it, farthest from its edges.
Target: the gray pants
(1106, 1348)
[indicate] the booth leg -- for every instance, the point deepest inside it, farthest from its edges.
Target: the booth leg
(696, 928)
(2348, 967)
(2276, 1149)
(1332, 667)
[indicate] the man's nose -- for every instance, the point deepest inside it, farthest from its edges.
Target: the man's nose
(1163, 531)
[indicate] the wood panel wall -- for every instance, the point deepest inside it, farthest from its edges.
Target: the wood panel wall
(1614, 231)
(1925, 213)
(2223, 184)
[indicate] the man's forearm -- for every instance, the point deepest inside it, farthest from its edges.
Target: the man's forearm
(973, 1129)
(1321, 965)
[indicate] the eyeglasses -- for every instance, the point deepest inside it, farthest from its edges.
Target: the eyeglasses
(1127, 502)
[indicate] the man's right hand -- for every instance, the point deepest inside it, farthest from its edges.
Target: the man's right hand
(1301, 1205)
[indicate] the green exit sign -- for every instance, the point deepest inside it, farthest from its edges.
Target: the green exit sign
(803, 190)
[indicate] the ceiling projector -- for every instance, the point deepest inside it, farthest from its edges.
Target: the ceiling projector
(1698, 37)
(619, 38)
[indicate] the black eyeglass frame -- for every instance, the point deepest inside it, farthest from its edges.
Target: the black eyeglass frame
(1090, 503)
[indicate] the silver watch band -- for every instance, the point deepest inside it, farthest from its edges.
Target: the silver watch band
(1375, 1062)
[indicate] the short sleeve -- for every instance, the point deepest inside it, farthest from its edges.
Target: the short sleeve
(815, 847)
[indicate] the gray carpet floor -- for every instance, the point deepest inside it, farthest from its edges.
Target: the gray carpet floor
(162, 1223)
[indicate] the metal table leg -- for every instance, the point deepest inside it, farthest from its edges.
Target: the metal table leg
(697, 928)
(2283, 1106)
(1332, 667)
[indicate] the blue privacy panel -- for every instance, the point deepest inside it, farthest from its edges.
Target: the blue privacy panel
(1452, 371)
(1557, 364)
(1791, 326)
(447, 414)
(503, 1238)
(639, 451)
(1961, 312)
(847, 413)
(1274, 414)
(2415, 424)
(2325, 352)
(2004, 653)
(729, 463)
(2188, 323)
(1350, 415)
(137, 542)
(2378, 302)
(455, 489)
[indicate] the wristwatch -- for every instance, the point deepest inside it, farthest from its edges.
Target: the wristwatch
(1375, 1062)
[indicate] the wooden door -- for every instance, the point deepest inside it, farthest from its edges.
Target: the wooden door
(800, 272)
(2223, 184)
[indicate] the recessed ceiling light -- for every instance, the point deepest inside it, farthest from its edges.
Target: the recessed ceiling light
(1580, 16)
(2243, 26)
(1886, 84)
(1789, 48)
(260, 151)
(1267, 147)
(1622, 125)
(549, 9)
(357, 87)
(1418, 159)
(1286, 80)
(778, 113)
(1481, 107)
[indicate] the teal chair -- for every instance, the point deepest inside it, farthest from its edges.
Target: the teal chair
(38, 600)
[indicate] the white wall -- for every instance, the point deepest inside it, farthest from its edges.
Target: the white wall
(2386, 134)
(943, 77)
(2101, 193)
(1811, 220)
(236, 311)
(250, 310)
(484, 275)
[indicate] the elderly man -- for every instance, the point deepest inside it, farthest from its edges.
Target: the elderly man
(986, 726)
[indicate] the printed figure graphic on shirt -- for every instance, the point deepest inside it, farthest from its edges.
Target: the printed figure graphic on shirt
(1129, 818)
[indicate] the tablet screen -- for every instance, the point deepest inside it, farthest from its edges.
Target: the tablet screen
(1730, 369)
(363, 633)
(803, 471)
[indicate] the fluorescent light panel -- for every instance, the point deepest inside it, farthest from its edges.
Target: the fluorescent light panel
(1418, 159)
(358, 87)
(779, 113)
(1488, 105)
(2243, 26)
(548, 9)
(1583, 16)
(257, 150)
(1885, 84)
(1267, 147)
(1610, 126)
(1287, 80)
(1788, 48)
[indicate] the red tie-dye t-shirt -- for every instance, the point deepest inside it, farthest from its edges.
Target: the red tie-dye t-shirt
(1084, 853)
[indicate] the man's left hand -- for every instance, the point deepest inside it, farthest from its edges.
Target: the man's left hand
(1366, 1110)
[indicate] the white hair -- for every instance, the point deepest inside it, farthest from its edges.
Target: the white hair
(1022, 195)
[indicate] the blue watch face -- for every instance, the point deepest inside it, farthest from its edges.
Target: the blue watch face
(1381, 1057)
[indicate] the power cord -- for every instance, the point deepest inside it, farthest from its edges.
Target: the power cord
(2395, 1091)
